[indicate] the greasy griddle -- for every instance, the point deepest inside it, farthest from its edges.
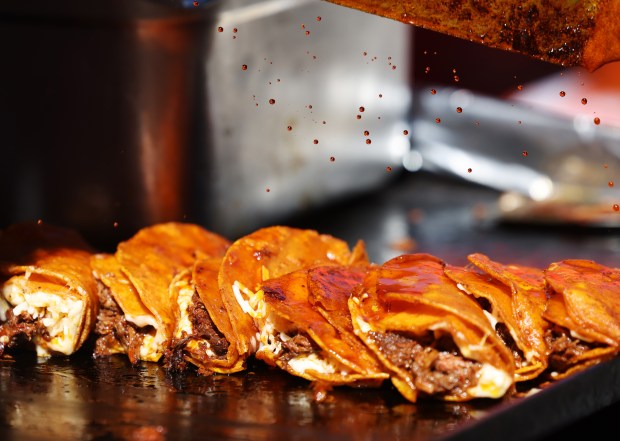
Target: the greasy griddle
(81, 398)
(87, 399)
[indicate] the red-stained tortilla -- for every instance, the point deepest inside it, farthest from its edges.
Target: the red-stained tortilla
(585, 305)
(46, 279)
(434, 339)
(149, 261)
(268, 253)
(517, 299)
(204, 336)
(300, 340)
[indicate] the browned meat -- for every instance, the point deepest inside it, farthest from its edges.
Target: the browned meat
(437, 368)
(19, 326)
(112, 329)
(563, 348)
(299, 344)
(204, 331)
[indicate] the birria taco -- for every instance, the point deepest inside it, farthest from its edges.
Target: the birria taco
(434, 339)
(203, 334)
(514, 298)
(584, 308)
(308, 342)
(267, 253)
(138, 313)
(48, 295)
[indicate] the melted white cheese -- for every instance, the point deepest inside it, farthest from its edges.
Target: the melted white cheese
(152, 344)
(251, 302)
(492, 383)
(61, 316)
(184, 302)
(302, 363)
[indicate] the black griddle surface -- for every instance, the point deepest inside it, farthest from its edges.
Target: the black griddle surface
(82, 398)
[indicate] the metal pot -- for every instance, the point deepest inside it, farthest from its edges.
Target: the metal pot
(121, 114)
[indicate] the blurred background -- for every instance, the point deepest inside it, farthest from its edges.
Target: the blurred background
(241, 114)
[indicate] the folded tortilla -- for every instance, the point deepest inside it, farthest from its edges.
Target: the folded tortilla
(135, 283)
(296, 337)
(584, 307)
(203, 335)
(268, 253)
(514, 299)
(124, 324)
(48, 292)
(434, 339)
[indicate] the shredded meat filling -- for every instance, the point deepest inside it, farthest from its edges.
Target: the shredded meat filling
(435, 364)
(297, 345)
(19, 326)
(564, 349)
(114, 330)
(202, 329)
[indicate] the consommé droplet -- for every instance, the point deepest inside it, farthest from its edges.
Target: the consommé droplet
(433, 91)
(272, 101)
(597, 120)
(584, 101)
(388, 168)
(195, 3)
(437, 120)
(332, 159)
(359, 116)
(524, 153)
(268, 189)
(427, 69)
(289, 128)
(244, 67)
(562, 93)
(318, 18)
(366, 133)
(361, 109)
(610, 183)
(115, 224)
(368, 141)
(520, 87)
(469, 170)
(220, 29)
(459, 110)
(307, 32)
(616, 207)
(405, 132)
(316, 141)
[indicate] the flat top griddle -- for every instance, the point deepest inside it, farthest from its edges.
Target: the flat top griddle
(82, 398)
(108, 399)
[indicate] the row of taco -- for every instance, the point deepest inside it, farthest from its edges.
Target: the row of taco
(306, 302)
